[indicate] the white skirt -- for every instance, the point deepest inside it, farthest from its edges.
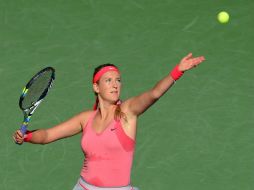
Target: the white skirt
(83, 185)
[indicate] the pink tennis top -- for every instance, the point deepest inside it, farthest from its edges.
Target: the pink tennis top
(109, 155)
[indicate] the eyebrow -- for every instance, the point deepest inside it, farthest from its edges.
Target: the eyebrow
(112, 77)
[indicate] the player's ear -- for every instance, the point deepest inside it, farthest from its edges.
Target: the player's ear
(95, 87)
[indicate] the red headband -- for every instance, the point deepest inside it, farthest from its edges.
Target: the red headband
(98, 75)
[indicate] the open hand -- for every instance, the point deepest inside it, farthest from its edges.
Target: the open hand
(188, 62)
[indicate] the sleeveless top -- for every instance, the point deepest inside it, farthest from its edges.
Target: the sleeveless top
(108, 155)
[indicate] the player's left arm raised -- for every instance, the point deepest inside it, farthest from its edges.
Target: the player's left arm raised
(138, 104)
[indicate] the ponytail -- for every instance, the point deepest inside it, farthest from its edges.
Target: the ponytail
(118, 112)
(95, 106)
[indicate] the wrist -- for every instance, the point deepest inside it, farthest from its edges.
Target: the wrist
(176, 73)
(28, 136)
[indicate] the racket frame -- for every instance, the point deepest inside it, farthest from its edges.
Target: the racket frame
(28, 112)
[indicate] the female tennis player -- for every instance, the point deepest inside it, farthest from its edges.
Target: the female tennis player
(109, 130)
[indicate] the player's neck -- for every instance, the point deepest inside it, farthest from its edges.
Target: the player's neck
(107, 110)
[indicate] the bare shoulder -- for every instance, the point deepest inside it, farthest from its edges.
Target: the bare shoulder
(125, 108)
(84, 116)
(125, 105)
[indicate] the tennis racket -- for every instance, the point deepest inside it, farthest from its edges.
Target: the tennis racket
(33, 94)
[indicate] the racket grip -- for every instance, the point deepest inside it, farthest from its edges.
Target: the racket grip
(23, 129)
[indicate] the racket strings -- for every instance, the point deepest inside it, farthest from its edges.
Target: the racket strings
(37, 89)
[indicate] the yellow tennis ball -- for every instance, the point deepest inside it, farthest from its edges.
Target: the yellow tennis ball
(223, 17)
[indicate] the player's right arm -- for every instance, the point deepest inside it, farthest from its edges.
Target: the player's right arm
(68, 128)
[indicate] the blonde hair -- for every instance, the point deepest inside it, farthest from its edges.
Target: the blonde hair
(118, 112)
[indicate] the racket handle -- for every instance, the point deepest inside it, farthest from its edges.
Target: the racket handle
(23, 129)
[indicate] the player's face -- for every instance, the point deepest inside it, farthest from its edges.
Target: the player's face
(109, 86)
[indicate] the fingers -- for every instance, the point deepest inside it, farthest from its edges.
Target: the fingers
(196, 61)
(17, 141)
(189, 56)
(190, 62)
(186, 57)
(19, 133)
(18, 137)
